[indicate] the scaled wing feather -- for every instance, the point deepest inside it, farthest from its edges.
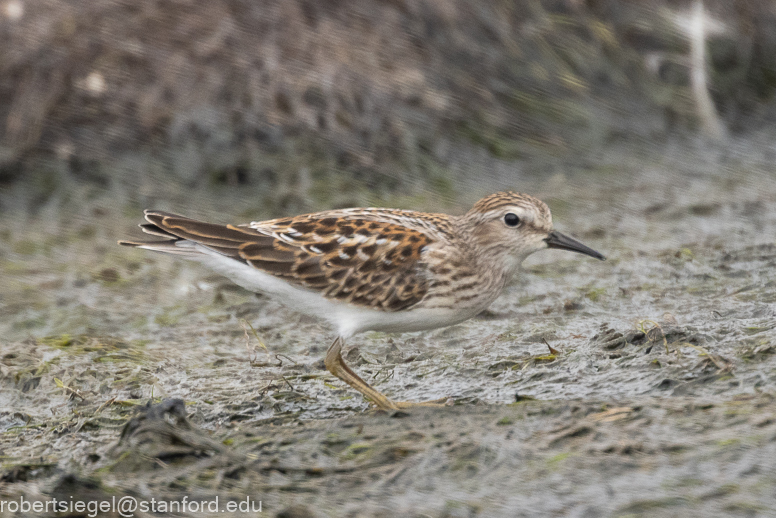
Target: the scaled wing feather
(376, 264)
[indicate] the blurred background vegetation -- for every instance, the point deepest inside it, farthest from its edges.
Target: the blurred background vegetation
(293, 105)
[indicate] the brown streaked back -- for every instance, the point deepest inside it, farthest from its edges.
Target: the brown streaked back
(365, 262)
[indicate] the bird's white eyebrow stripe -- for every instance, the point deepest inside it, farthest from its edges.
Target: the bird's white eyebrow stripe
(521, 212)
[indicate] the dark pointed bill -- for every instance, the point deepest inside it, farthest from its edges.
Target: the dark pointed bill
(562, 242)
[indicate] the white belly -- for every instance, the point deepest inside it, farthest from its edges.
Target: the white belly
(346, 318)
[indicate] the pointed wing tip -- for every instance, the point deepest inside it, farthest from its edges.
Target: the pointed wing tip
(148, 213)
(143, 244)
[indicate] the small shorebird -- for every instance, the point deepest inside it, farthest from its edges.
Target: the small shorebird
(372, 269)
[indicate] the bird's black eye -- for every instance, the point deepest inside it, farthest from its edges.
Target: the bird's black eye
(511, 219)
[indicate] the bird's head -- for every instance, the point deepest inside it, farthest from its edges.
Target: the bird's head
(511, 226)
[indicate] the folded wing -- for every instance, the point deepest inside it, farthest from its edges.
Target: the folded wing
(365, 262)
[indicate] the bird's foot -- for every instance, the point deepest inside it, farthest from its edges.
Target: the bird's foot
(337, 366)
(435, 403)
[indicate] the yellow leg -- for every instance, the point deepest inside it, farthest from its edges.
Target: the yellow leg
(445, 401)
(337, 366)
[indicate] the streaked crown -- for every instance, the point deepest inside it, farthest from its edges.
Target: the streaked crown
(534, 208)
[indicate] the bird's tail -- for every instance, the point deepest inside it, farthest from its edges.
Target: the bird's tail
(183, 236)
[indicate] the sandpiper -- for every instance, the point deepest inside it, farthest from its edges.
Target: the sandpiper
(373, 269)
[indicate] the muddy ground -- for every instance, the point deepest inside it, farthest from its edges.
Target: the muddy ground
(659, 400)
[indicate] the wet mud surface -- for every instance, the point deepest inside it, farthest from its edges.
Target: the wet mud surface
(643, 385)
